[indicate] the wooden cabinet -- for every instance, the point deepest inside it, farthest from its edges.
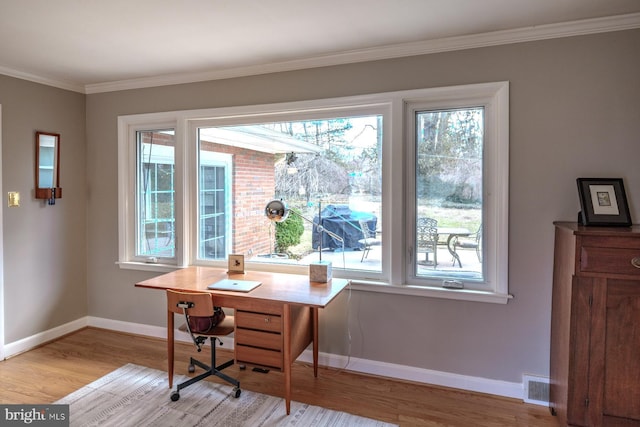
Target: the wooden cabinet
(595, 326)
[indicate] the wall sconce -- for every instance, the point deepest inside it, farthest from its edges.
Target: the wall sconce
(290, 159)
(48, 167)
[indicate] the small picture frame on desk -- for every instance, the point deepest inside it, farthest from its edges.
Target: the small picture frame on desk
(236, 264)
(603, 202)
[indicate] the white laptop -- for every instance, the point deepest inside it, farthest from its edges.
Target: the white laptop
(234, 285)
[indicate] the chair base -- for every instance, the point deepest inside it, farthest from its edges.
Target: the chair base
(209, 370)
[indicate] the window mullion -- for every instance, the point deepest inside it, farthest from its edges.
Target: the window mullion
(183, 198)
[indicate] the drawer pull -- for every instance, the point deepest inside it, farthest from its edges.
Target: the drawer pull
(635, 262)
(268, 319)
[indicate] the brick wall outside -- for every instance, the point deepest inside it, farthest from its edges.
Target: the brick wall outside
(253, 186)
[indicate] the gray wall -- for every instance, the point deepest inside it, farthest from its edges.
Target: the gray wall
(574, 113)
(45, 283)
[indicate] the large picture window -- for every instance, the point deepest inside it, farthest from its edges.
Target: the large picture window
(327, 170)
(406, 189)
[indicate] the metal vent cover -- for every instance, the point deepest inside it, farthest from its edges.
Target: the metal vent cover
(536, 390)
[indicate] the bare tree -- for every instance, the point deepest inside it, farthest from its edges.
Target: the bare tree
(449, 154)
(310, 176)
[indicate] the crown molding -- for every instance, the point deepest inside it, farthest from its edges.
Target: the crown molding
(494, 38)
(42, 80)
(520, 35)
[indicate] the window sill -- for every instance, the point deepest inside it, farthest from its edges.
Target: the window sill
(147, 266)
(421, 291)
(368, 286)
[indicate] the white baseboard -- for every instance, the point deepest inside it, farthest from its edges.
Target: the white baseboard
(146, 330)
(372, 367)
(420, 375)
(20, 346)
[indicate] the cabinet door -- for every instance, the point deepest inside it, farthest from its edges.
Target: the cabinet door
(579, 351)
(622, 352)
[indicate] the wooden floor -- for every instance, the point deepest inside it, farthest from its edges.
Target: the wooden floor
(52, 371)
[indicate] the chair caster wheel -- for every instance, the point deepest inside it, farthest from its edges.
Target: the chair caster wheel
(236, 392)
(175, 396)
(192, 369)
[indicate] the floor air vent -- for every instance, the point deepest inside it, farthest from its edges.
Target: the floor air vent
(536, 390)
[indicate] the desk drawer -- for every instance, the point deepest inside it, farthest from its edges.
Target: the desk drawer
(267, 340)
(258, 321)
(610, 261)
(258, 356)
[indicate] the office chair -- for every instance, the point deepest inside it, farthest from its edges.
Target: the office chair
(199, 304)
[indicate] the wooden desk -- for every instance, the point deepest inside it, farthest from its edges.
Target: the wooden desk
(284, 303)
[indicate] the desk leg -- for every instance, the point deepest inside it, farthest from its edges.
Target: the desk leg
(314, 325)
(286, 312)
(170, 353)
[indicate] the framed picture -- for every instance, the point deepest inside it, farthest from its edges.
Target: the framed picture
(236, 263)
(603, 202)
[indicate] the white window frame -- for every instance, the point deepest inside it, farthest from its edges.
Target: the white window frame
(296, 111)
(494, 99)
(395, 276)
(128, 126)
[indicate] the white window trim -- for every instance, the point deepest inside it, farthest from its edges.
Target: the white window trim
(494, 98)
(303, 110)
(127, 148)
(393, 278)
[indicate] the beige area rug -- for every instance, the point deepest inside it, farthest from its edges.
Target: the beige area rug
(138, 396)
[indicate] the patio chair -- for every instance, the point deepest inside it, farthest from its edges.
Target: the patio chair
(427, 238)
(472, 241)
(369, 238)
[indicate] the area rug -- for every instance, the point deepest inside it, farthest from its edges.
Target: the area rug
(138, 396)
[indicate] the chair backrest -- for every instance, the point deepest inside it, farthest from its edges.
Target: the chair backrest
(426, 232)
(198, 303)
(479, 234)
(367, 233)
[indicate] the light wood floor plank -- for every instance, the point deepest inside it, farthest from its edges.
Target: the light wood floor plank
(46, 374)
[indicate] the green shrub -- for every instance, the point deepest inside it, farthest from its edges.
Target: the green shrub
(288, 232)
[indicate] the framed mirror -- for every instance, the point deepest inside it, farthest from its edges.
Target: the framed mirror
(48, 166)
